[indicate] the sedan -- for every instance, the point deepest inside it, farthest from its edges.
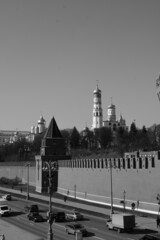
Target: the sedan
(34, 216)
(75, 227)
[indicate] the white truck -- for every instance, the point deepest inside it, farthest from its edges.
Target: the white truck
(121, 222)
(4, 210)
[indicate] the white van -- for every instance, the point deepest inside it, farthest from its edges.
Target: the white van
(4, 210)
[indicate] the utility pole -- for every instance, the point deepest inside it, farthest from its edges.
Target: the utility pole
(27, 165)
(51, 167)
(50, 233)
(124, 200)
(111, 188)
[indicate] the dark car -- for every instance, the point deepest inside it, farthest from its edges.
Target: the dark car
(152, 236)
(72, 228)
(57, 216)
(34, 216)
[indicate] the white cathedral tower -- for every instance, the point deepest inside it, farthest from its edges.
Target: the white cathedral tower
(97, 109)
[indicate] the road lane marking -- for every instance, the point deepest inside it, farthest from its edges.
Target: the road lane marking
(99, 238)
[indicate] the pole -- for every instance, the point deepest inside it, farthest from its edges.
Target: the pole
(28, 181)
(111, 187)
(27, 165)
(124, 199)
(50, 233)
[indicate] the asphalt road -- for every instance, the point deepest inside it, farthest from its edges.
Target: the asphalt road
(94, 225)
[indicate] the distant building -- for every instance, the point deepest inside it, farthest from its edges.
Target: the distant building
(11, 136)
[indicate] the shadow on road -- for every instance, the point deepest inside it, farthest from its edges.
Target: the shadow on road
(143, 231)
(14, 214)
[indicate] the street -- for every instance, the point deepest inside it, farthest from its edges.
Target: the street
(95, 225)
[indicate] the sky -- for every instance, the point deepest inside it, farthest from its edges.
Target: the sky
(52, 52)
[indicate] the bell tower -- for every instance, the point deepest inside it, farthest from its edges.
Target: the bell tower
(97, 109)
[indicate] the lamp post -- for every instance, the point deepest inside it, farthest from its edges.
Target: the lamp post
(27, 165)
(111, 188)
(124, 199)
(50, 168)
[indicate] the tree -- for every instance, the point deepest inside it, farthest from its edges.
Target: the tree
(122, 139)
(75, 138)
(103, 136)
(133, 136)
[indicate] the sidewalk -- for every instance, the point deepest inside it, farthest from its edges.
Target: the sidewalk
(13, 233)
(143, 223)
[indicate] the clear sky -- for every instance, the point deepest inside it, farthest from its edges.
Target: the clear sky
(53, 51)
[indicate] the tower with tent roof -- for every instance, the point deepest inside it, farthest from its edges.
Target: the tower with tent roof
(53, 148)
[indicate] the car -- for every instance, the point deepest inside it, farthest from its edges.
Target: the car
(151, 236)
(57, 216)
(35, 216)
(74, 215)
(7, 197)
(75, 227)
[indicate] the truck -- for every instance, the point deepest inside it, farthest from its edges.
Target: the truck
(4, 210)
(121, 222)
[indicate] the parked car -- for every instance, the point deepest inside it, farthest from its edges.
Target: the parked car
(57, 216)
(7, 197)
(151, 236)
(35, 216)
(74, 215)
(75, 227)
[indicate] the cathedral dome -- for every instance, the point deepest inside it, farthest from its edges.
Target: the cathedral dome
(112, 106)
(97, 90)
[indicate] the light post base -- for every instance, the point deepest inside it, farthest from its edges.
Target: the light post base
(50, 236)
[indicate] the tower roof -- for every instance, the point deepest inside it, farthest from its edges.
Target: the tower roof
(53, 130)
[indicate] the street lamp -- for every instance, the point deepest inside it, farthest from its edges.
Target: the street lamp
(111, 188)
(51, 166)
(27, 165)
